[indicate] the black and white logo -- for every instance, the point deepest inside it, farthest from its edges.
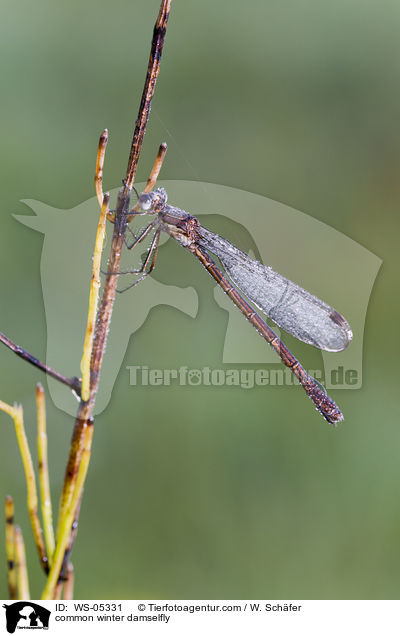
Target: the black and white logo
(26, 615)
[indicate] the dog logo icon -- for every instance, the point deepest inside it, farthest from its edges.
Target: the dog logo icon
(26, 615)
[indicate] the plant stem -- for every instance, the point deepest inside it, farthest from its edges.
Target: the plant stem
(73, 383)
(73, 481)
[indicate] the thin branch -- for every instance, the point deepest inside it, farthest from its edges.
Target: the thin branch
(74, 531)
(72, 383)
(65, 527)
(153, 68)
(98, 179)
(124, 194)
(151, 181)
(44, 481)
(16, 413)
(93, 299)
(85, 410)
(58, 591)
(22, 572)
(68, 592)
(10, 549)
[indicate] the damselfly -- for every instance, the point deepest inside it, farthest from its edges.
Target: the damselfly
(291, 307)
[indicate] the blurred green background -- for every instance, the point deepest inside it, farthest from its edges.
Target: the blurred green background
(208, 492)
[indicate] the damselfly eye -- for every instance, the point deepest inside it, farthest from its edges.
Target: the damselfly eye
(145, 201)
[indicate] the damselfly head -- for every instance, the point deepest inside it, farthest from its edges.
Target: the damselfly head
(152, 201)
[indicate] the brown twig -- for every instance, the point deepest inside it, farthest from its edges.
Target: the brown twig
(148, 91)
(10, 549)
(151, 181)
(98, 179)
(72, 383)
(84, 417)
(68, 592)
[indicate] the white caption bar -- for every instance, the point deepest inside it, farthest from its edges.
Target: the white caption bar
(263, 617)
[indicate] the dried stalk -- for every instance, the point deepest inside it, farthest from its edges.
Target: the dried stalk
(22, 572)
(95, 342)
(44, 481)
(79, 456)
(16, 413)
(68, 591)
(10, 549)
(93, 300)
(65, 528)
(73, 383)
(98, 179)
